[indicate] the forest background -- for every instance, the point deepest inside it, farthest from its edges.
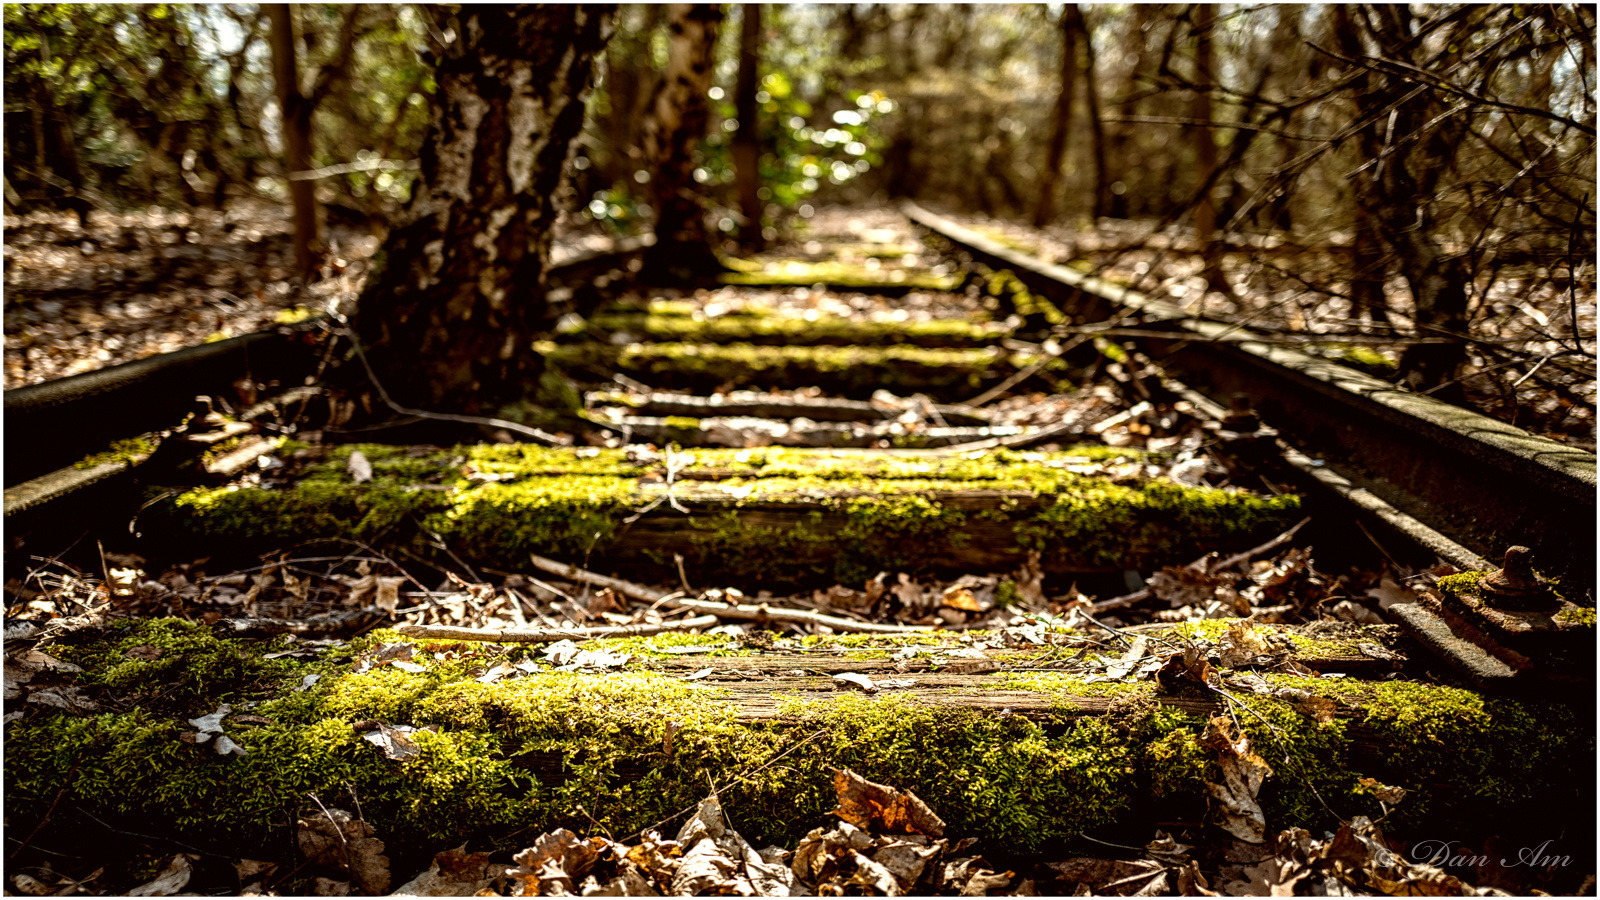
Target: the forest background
(1418, 179)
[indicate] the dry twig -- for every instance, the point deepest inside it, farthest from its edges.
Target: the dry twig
(540, 635)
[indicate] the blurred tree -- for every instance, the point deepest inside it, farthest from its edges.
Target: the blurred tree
(457, 294)
(679, 114)
(298, 107)
(746, 139)
(1062, 122)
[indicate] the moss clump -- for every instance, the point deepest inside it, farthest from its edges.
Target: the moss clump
(944, 374)
(1364, 358)
(1072, 686)
(1462, 584)
(791, 330)
(1103, 521)
(1015, 296)
(127, 451)
(1577, 615)
(1457, 751)
(593, 751)
(839, 276)
(836, 515)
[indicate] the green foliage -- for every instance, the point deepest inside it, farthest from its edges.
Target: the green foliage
(553, 748)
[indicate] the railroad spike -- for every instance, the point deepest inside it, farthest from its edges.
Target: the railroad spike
(1514, 586)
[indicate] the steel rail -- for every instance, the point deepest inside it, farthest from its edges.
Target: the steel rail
(1480, 482)
(54, 423)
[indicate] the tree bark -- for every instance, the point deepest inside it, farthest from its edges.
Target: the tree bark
(682, 251)
(1397, 195)
(458, 291)
(296, 138)
(1097, 131)
(1049, 181)
(1205, 147)
(747, 138)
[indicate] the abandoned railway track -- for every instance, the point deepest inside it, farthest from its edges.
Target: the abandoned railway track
(897, 463)
(1444, 479)
(1426, 478)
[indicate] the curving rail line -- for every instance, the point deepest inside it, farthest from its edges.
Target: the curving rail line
(1453, 482)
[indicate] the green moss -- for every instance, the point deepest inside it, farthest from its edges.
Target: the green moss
(838, 276)
(844, 516)
(1577, 615)
(1103, 521)
(1071, 686)
(1015, 295)
(790, 330)
(1305, 647)
(1362, 357)
(294, 315)
(655, 646)
(947, 374)
(891, 641)
(128, 451)
(1462, 584)
(1460, 751)
(529, 754)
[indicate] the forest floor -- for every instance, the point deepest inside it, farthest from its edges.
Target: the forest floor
(136, 285)
(132, 285)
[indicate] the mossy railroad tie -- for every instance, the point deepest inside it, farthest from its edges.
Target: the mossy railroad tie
(1026, 759)
(666, 325)
(753, 518)
(945, 374)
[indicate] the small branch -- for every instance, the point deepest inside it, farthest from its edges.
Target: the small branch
(541, 635)
(747, 611)
(366, 165)
(765, 613)
(1253, 552)
(573, 573)
(543, 437)
(1023, 374)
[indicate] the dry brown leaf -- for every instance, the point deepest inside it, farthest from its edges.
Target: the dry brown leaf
(394, 740)
(173, 878)
(958, 597)
(342, 842)
(454, 873)
(907, 858)
(248, 869)
(1272, 877)
(882, 809)
(1234, 807)
(360, 468)
(1386, 793)
(329, 887)
(1241, 644)
(387, 596)
(856, 679)
(1183, 586)
(1030, 581)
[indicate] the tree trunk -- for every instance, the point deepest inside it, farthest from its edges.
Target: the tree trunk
(296, 139)
(1048, 182)
(457, 294)
(1097, 131)
(682, 251)
(1395, 198)
(747, 139)
(1369, 258)
(1205, 148)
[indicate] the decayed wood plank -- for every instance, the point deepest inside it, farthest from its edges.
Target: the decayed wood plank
(766, 406)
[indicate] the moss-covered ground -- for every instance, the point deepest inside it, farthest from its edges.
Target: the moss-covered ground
(754, 517)
(794, 330)
(946, 375)
(623, 751)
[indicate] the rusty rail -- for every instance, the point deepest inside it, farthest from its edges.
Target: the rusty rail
(1482, 483)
